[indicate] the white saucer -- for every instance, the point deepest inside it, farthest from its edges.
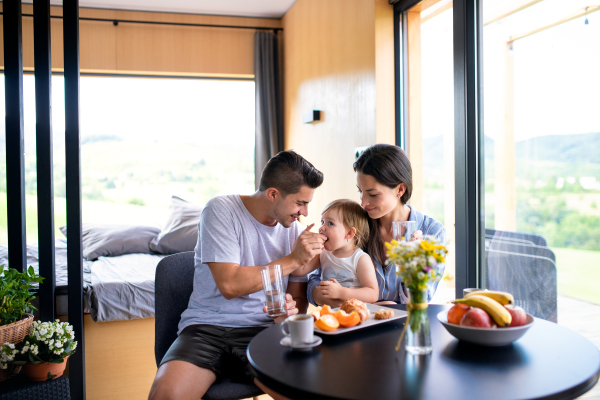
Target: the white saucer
(286, 341)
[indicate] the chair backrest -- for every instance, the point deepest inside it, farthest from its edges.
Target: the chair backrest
(522, 237)
(529, 275)
(174, 283)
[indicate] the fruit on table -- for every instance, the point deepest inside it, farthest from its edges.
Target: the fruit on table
(519, 317)
(327, 322)
(476, 318)
(326, 310)
(456, 313)
(501, 297)
(347, 320)
(497, 311)
(317, 313)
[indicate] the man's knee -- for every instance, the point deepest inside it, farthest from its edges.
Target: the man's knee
(181, 380)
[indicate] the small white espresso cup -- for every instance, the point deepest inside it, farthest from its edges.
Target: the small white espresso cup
(300, 329)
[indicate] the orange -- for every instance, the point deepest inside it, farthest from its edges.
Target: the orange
(456, 313)
(326, 310)
(327, 323)
(346, 319)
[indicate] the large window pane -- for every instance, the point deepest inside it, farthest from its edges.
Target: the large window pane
(542, 157)
(431, 121)
(142, 141)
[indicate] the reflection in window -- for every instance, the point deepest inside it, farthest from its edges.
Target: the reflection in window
(142, 141)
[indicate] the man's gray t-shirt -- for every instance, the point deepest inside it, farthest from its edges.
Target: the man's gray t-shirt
(228, 233)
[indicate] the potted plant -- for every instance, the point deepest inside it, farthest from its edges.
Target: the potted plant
(44, 352)
(16, 311)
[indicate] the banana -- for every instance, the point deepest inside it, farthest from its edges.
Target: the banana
(499, 314)
(501, 297)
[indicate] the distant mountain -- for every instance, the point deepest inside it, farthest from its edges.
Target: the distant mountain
(571, 150)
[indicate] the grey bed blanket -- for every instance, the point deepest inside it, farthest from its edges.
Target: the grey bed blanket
(114, 288)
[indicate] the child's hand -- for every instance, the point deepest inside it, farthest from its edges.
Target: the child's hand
(331, 289)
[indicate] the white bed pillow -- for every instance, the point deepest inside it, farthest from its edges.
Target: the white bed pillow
(180, 232)
(114, 240)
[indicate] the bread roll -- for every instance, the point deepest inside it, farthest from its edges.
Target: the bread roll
(358, 306)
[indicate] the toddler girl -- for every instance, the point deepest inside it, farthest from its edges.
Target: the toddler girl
(347, 271)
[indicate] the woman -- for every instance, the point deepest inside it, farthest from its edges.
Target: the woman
(384, 181)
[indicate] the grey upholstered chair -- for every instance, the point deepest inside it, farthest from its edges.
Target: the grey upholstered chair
(173, 287)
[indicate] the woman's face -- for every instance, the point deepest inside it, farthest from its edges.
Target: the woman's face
(375, 198)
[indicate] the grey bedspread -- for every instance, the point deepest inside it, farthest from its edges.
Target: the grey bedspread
(115, 288)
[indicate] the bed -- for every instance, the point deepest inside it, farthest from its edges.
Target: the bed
(118, 282)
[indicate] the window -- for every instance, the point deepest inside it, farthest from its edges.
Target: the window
(542, 163)
(142, 141)
(430, 122)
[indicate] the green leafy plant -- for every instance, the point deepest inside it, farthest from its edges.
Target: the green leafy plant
(47, 342)
(16, 293)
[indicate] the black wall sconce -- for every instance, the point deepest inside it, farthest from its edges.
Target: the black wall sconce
(311, 116)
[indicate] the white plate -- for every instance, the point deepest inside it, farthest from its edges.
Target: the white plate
(286, 341)
(485, 336)
(369, 322)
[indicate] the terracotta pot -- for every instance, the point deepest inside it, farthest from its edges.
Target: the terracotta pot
(45, 371)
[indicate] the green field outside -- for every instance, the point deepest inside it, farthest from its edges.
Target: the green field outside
(578, 274)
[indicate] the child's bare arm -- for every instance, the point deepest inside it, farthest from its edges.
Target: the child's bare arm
(308, 267)
(369, 290)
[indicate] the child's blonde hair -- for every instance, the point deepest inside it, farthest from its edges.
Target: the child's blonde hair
(353, 216)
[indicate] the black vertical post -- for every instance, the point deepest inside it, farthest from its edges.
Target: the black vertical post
(468, 164)
(73, 180)
(15, 148)
(45, 187)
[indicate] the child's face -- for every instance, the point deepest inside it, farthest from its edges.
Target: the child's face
(334, 229)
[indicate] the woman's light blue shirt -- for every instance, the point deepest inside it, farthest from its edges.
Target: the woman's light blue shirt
(390, 285)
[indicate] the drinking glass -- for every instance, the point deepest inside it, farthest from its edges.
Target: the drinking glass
(272, 281)
(403, 229)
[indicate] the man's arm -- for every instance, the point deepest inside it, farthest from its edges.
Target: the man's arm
(234, 280)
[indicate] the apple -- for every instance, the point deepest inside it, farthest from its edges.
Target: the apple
(519, 316)
(456, 313)
(476, 318)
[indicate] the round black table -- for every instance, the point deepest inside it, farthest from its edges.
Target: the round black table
(548, 362)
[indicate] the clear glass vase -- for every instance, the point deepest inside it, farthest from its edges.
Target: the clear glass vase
(418, 334)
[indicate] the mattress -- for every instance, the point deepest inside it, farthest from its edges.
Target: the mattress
(114, 288)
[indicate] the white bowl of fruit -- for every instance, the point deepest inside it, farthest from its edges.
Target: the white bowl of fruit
(488, 318)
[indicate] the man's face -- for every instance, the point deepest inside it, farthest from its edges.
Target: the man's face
(289, 208)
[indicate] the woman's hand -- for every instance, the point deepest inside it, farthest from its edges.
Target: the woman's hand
(416, 236)
(290, 307)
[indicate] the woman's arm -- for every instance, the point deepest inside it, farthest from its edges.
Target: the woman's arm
(369, 290)
(308, 267)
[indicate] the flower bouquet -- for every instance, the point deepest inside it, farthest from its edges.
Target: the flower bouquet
(416, 263)
(43, 353)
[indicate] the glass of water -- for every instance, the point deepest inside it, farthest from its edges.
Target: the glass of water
(404, 229)
(272, 281)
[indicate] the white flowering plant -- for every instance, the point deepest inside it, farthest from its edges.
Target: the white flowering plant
(47, 342)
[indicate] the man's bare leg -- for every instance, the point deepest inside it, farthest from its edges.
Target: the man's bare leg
(181, 380)
(270, 392)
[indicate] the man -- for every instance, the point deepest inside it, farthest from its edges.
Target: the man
(236, 236)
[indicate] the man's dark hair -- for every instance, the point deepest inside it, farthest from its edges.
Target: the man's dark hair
(287, 172)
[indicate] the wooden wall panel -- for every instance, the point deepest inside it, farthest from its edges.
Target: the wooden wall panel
(329, 65)
(136, 48)
(384, 72)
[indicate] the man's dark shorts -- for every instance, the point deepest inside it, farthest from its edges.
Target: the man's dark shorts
(218, 348)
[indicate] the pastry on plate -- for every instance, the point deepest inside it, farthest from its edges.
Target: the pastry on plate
(358, 306)
(384, 314)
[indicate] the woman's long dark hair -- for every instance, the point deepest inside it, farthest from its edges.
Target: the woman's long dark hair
(390, 166)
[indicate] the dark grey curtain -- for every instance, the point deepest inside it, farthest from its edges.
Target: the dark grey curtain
(269, 125)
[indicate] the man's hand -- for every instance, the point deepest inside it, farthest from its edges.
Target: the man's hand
(331, 289)
(290, 307)
(308, 245)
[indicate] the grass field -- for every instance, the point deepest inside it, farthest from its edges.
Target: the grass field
(578, 274)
